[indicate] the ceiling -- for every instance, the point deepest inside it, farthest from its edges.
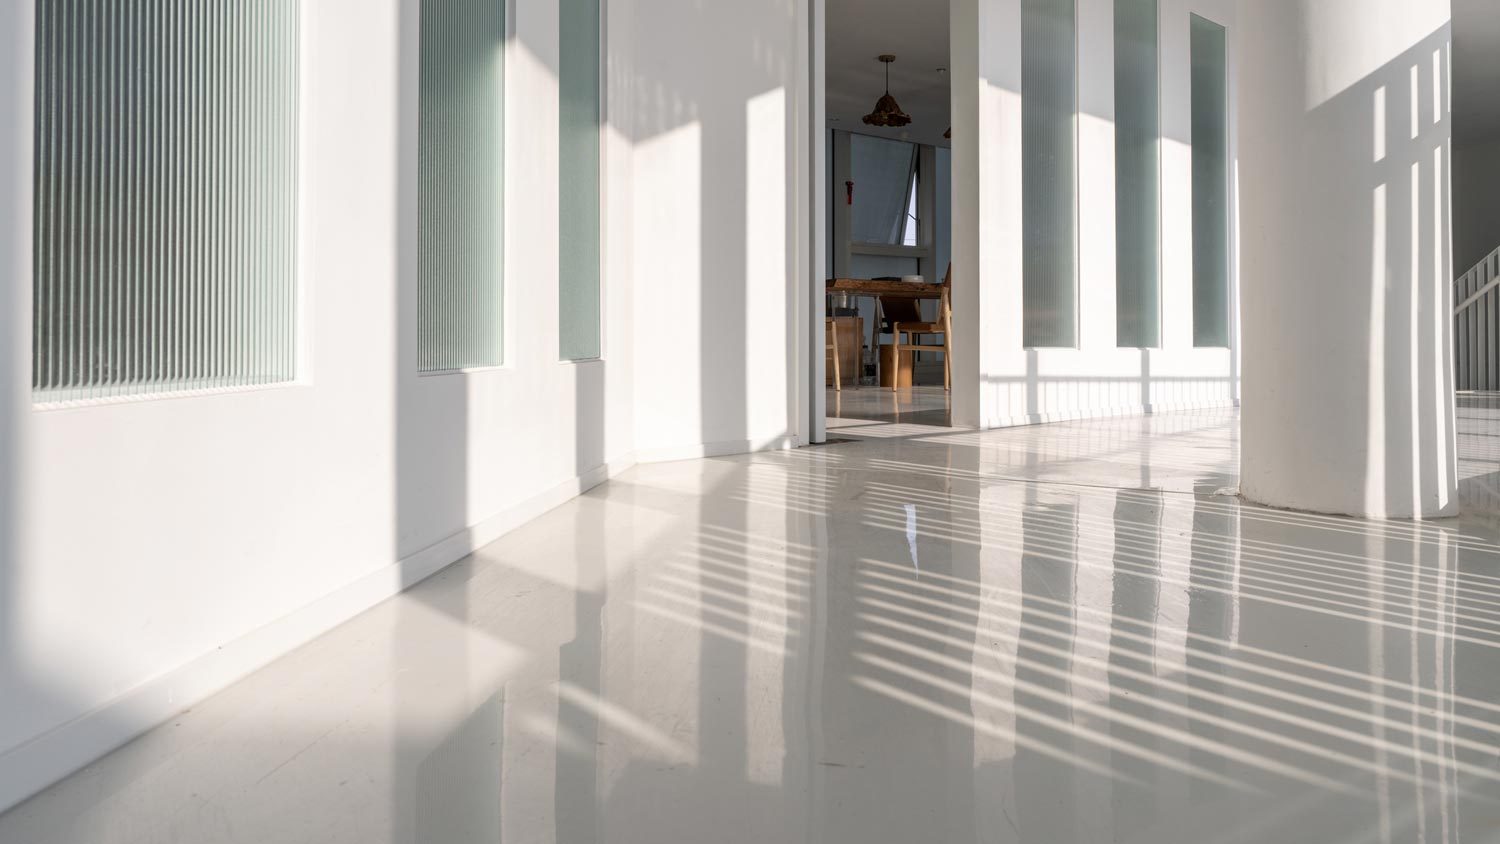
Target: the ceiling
(857, 31)
(917, 33)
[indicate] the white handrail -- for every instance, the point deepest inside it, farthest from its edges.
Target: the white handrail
(1476, 326)
(1478, 270)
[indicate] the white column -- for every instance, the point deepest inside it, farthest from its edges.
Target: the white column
(1345, 256)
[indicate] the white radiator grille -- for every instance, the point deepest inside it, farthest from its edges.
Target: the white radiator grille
(165, 196)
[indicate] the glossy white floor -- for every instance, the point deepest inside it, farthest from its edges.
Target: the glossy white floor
(1054, 634)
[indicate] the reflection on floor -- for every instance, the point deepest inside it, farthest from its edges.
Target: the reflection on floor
(1052, 634)
(909, 405)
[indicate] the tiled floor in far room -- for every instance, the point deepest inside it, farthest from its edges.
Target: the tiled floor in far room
(922, 405)
(1055, 634)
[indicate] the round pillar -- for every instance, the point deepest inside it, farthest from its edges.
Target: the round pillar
(1346, 277)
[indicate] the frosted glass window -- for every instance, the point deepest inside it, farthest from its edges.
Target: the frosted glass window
(1049, 109)
(883, 173)
(1137, 175)
(165, 196)
(578, 191)
(1210, 185)
(460, 152)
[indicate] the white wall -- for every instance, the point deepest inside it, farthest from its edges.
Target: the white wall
(170, 546)
(718, 215)
(998, 381)
(16, 61)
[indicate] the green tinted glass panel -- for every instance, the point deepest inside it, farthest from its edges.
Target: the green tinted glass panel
(461, 196)
(578, 189)
(1137, 175)
(1210, 184)
(165, 196)
(1049, 177)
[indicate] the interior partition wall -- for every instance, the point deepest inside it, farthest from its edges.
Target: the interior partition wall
(1075, 204)
(1137, 175)
(1049, 112)
(579, 115)
(461, 171)
(165, 196)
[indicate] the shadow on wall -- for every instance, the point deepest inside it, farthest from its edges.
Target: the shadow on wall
(14, 389)
(1112, 394)
(446, 782)
(1405, 196)
(17, 686)
(443, 777)
(736, 283)
(716, 203)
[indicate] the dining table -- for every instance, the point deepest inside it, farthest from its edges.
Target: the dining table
(879, 287)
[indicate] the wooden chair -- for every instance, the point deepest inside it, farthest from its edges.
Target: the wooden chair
(831, 344)
(903, 316)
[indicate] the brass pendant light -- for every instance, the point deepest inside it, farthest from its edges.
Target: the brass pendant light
(887, 112)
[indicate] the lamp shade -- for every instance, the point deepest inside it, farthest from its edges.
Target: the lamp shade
(887, 111)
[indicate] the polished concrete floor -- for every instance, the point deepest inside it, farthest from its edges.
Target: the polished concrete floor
(1071, 633)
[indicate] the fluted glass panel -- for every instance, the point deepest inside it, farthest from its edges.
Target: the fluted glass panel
(578, 191)
(165, 196)
(1210, 133)
(461, 155)
(1137, 175)
(1049, 113)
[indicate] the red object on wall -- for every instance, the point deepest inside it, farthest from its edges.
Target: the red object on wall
(849, 187)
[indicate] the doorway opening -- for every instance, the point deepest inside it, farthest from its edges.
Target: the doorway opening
(887, 206)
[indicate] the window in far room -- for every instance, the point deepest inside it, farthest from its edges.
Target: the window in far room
(884, 172)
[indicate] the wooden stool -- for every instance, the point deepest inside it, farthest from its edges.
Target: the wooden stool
(893, 376)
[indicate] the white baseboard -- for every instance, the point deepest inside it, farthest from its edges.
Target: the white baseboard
(415, 568)
(34, 765)
(719, 449)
